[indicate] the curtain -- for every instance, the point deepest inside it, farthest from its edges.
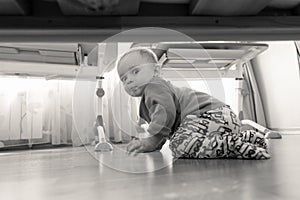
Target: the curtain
(120, 111)
(64, 111)
(297, 45)
(252, 107)
(35, 111)
(58, 119)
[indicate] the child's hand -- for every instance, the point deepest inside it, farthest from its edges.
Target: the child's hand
(134, 146)
(148, 144)
(139, 129)
(139, 146)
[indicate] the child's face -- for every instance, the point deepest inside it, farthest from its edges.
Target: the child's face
(135, 73)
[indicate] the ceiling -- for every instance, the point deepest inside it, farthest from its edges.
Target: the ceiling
(203, 59)
(70, 24)
(95, 20)
(178, 59)
(145, 7)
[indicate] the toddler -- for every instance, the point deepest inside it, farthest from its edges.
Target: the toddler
(197, 124)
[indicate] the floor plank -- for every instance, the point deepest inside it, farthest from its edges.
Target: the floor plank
(81, 173)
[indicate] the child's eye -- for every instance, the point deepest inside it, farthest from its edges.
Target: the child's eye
(135, 71)
(123, 79)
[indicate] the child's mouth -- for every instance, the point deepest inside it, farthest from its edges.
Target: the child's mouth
(133, 89)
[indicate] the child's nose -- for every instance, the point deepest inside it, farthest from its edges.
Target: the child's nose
(129, 81)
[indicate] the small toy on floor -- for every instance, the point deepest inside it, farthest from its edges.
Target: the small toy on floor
(103, 145)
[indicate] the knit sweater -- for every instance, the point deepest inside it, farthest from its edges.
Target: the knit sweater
(164, 105)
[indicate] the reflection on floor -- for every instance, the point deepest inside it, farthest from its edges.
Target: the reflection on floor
(80, 173)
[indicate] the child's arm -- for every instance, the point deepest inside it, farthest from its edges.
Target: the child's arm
(144, 145)
(160, 107)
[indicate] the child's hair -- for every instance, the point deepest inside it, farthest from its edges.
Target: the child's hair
(144, 52)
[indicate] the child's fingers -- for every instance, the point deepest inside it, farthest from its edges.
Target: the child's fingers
(137, 151)
(139, 129)
(131, 143)
(134, 144)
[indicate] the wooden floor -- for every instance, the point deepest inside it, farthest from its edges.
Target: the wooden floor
(80, 173)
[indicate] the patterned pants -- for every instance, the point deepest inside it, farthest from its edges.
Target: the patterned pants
(216, 134)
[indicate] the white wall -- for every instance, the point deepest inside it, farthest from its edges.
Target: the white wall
(277, 73)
